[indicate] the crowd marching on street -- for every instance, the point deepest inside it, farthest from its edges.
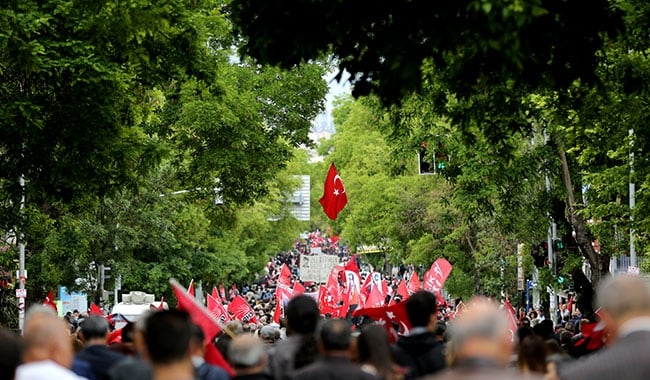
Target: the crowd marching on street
(360, 324)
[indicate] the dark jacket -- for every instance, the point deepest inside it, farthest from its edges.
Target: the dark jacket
(478, 369)
(131, 369)
(256, 376)
(421, 354)
(209, 372)
(101, 359)
(332, 367)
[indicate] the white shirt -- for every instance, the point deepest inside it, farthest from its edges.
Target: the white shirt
(45, 370)
(634, 325)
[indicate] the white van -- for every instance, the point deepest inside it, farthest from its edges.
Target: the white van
(134, 304)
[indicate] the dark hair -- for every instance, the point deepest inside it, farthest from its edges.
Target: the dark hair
(302, 315)
(94, 327)
(168, 336)
(10, 351)
(373, 347)
(336, 334)
(197, 336)
(127, 332)
(419, 308)
(532, 354)
(523, 332)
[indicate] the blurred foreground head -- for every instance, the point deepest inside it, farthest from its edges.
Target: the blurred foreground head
(247, 355)
(168, 337)
(621, 299)
(46, 337)
(480, 332)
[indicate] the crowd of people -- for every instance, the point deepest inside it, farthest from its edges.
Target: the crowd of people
(477, 344)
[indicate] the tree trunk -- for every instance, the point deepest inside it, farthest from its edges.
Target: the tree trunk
(599, 267)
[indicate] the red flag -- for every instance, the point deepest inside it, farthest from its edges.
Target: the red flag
(593, 336)
(190, 289)
(435, 277)
(298, 288)
(198, 313)
(334, 197)
(351, 265)
(162, 303)
(49, 301)
(277, 314)
(214, 357)
(114, 336)
(95, 310)
(375, 298)
(385, 314)
(285, 275)
(414, 284)
(215, 293)
(402, 291)
(352, 288)
(218, 311)
(569, 306)
(512, 318)
(241, 310)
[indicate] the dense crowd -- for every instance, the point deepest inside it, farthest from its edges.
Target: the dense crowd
(476, 344)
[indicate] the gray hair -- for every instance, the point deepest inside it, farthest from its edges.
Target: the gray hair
(624, 294)
(39, 310)
(246, 351)
(490, 324)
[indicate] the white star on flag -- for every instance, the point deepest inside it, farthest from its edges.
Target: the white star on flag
(336, 192)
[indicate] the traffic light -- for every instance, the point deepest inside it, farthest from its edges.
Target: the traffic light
(558, 245)
(425, 160)
(540, 254)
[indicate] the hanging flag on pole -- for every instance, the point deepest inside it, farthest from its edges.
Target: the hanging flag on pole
(49, 300)
(334, 197)
(435, 277)
(190, 289)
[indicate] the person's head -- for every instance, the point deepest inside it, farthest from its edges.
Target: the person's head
(302, 315)
(532, 355)
(565, 338)
(569, 327)
(168, 337)
(140, 332)
(622, 298)
(269, 334)
(335, 336)
(247, 355)
(46, 337)
(197, 339)
(481, 332)
(421, 309)
(10, 351)
(94, 330)
(236, 327)
(373, 348)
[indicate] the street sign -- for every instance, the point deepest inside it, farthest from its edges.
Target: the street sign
(633, 271)
(21, 293)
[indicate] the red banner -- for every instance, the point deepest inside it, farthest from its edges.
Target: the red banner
(435, 277)
(198, 313)
(241, 310)
(218, 311)
(414, 284)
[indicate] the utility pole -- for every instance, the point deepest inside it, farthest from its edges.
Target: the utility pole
(633, 261)
(22, 274)
(551, 236)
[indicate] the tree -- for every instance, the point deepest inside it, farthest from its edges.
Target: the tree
(476, 43)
